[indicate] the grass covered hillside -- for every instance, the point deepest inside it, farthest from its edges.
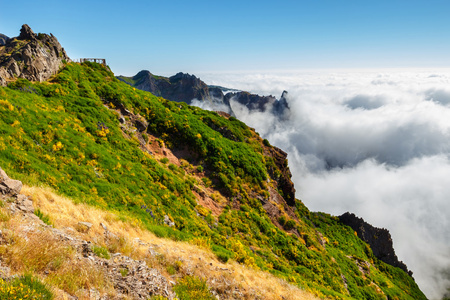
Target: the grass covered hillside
(186, 174)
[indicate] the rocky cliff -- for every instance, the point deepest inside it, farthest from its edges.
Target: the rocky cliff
(379, 240)
(184, 87)
(35, 57)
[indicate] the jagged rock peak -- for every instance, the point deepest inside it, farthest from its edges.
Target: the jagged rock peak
(26, 33)
(379, 239)
(32, 56)
(181, 75)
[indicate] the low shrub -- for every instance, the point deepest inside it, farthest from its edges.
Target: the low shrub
(44, 217)
(192, 288)
(222, 254)
(101, 252)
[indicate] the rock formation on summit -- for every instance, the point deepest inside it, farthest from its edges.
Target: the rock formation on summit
(32, 56)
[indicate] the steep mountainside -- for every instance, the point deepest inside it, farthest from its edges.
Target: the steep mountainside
(185, 88)
(182, 173)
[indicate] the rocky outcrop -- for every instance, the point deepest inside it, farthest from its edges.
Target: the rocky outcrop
(10, 190)
(3, 39)
(9, 187)
(185, 88)
(281, 173)
(35, 57)
(379, 240)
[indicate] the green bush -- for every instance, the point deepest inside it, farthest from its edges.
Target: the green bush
(44, 217)
(101, 252)
(222, 254)
(290, 224)
(192, 288)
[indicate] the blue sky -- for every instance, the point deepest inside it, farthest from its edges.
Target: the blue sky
(207, 36)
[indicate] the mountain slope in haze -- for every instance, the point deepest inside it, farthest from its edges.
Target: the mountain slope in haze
(186, 174)
(183, 87)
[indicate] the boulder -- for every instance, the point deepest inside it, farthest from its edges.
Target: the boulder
(24, 204)
(84, 227)
(168, 222)
(8, 186)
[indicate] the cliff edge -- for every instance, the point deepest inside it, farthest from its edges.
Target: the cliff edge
(379, 240)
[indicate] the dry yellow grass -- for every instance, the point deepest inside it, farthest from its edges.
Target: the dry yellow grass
(33, 249)
(184, 257)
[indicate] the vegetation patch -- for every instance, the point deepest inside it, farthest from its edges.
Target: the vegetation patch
(24, 287)
(193, 288)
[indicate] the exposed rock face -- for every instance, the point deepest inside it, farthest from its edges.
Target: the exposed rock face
(379, 240)
(180, 87)
(10, 189)
(283, 175)
(185, 88)
(35, 57)
(260, 103)
(3, 39)
(8, 186)
(251, 101)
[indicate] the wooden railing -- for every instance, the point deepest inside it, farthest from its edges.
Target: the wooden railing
(95, 60)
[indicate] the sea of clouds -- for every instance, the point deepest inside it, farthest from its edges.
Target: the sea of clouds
(375, 143)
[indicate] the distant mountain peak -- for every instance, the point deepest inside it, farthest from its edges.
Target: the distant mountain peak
(184, 87)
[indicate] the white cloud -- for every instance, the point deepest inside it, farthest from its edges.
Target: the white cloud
(373, 143)
(213, 105)
(440, 96)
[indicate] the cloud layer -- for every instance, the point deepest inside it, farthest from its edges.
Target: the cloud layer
(373, 143)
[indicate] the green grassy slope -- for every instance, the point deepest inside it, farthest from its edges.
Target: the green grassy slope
(66, 134)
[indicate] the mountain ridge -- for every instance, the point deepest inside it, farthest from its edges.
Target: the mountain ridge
(183, 87)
